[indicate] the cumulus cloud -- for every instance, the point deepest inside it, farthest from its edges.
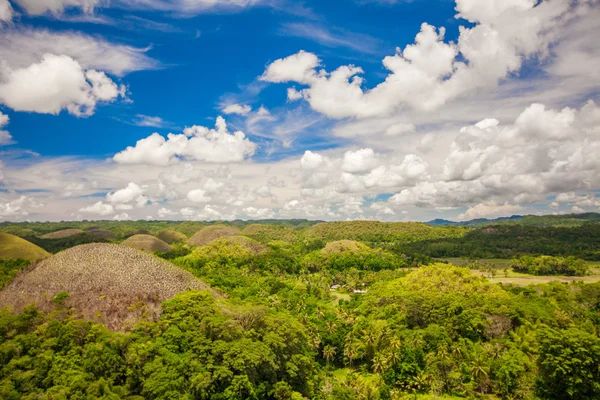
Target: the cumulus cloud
(54, 84)
(16, 208)
(430, 72)
(240, 109)
(164, 212)
(196, 143)
(311, 160)
(198, 196)
(99, 208)
(544, 151)
(490, 210)
(360, 161)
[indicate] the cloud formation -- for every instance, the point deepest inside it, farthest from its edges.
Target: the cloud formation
(54, 84)
(195, 143)
(427, 74)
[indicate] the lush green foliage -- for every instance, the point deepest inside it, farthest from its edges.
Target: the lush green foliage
(548, 265)
(307, 317)
(199, 349)
(504, 241)
(9, 268)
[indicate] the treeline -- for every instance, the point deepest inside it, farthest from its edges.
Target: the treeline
(501, 241)
(548, 265)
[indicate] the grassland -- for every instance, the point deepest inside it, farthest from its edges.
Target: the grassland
(505, 275)
(13, 247)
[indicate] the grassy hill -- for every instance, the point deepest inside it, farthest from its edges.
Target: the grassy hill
(13, 247)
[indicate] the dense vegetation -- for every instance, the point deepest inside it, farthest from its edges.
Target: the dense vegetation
(347, 311)
(548, 265)
(505, 241)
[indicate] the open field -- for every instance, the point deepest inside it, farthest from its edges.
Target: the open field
(515, 278)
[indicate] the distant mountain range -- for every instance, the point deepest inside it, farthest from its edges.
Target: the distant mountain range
(478, 221)
(526, 220)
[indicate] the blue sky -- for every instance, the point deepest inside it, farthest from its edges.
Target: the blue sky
(402, 138)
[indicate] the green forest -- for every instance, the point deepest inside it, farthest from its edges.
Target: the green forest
(300, 310)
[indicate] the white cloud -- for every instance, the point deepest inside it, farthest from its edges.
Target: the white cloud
(122, 217)
(430, 72)
(22, 47)
(15, 208)
(56, 7)
(196, 143)
(54, 84)
(131, 193)
(359, 161)
(166, 213)
(240, 109)
(6, 11)
(259, 213)
(297, 68)
(99, 208)
(198, 196)
(311, 160)
(490, 210)
(5, 136)
(400, 129)
(149, 121)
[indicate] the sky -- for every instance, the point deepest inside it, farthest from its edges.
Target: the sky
(390, 110)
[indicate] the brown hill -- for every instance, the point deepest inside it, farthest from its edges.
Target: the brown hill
(108, 283)
(171, 236)
(146, 243)
(206, 235)
(65, 233)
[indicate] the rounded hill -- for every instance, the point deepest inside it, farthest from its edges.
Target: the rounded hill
(108, 283)
(13, 247)
(344, 247)
(146, 243)
(170, 236)
(244, 242)
(65, 233)
(206, 235)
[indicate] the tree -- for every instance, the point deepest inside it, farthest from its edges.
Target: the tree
(329, 353)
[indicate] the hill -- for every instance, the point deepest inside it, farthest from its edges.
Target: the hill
(170, 236)
(109, 283)
(267, 233)
(146, 243)
(206, 235)
(65, 233)
(13, 247)
(381, 232)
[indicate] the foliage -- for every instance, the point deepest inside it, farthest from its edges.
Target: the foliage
(547, 265)
(333, 311)
(505, 241)
(10, 268)
(199, 349)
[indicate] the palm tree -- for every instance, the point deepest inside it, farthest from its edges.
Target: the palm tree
(331, 326)
(351, 352)
(329, 353)
(380, 363)
(479, 371)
